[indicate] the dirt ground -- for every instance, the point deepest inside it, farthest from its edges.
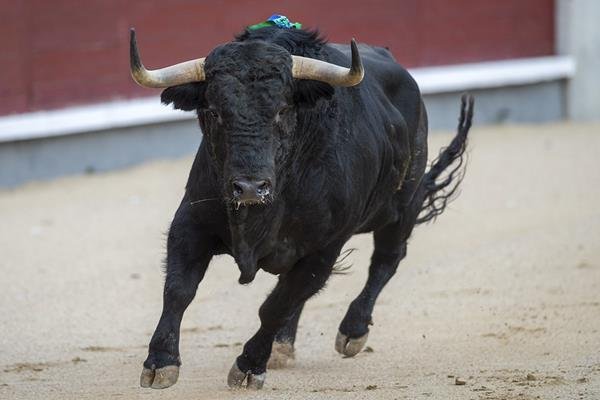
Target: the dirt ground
(502, 292)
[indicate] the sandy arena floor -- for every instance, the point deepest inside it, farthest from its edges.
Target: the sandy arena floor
(503, 291)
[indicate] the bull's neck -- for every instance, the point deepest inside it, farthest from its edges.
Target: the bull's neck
(253, 231)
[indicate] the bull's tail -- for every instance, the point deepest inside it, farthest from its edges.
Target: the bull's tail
(440, 183)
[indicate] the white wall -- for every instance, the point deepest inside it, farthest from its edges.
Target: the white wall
(578, 35)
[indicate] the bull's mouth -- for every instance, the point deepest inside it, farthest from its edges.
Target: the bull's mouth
(260, 201)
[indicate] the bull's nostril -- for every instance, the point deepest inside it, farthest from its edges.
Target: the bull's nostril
(238, 189)
(263, 188)
(250, 191)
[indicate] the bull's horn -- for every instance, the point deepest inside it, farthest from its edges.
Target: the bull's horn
(178, 74)
(310, 68)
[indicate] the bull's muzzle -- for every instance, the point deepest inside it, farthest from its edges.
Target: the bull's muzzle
(248, 191)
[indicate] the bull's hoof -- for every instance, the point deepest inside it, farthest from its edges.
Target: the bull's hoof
(160, 378)
(350, 346)
(281, 354)
(239, 380)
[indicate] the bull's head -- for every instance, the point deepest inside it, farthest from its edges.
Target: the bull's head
(247, 96)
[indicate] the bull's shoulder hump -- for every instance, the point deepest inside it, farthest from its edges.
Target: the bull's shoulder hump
(367, 52)
(377, 59)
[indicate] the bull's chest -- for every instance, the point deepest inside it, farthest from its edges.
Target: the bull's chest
(266, 242)
(275, 240)
(280, 256)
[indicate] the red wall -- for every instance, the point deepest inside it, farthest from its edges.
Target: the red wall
(56, 53)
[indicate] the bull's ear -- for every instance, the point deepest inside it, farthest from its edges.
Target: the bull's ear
(187, 97)
(308, 92)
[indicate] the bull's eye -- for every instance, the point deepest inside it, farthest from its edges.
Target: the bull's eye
(211, 114)
(282, 113)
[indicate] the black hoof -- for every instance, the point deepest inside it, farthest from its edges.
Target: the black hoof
(236, 379)
(350, 346)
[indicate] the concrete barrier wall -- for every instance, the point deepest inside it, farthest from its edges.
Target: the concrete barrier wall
(46, 158)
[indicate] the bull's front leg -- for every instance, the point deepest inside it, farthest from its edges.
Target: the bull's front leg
(189, 251)
(307, 277)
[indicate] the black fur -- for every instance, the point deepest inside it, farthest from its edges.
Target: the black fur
(341, 161)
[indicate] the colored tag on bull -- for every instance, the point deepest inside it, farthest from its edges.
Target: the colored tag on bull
(280, 21)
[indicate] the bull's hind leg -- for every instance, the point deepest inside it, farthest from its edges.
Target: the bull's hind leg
(354, 328)
(293, 289)
(186, 264)
(390, 249)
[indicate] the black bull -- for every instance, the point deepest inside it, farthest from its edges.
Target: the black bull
(289, 169)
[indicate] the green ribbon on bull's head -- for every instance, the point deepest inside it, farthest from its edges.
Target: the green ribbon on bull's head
(280, 21)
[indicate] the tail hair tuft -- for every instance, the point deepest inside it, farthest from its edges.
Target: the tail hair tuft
(440, 184)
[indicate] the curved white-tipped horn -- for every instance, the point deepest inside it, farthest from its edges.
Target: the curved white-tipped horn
(178, 74)
(310, 68)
